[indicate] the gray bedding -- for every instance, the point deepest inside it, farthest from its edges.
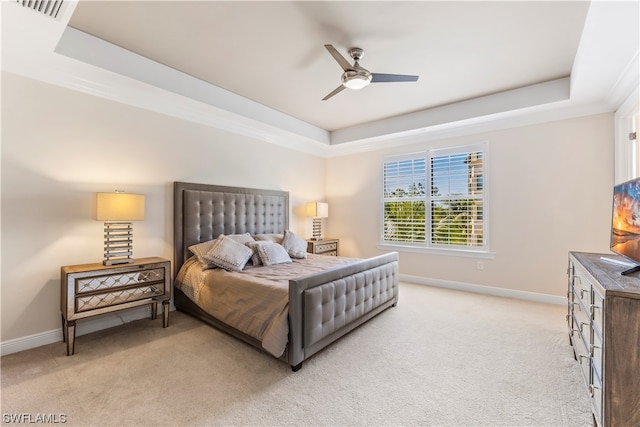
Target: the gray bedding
(256, 300)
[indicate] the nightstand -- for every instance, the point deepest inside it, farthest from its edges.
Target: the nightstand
(91, 289)
(325, 246)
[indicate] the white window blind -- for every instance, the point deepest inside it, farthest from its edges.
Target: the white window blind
(451, 213)
(457, 198)
(404, 200)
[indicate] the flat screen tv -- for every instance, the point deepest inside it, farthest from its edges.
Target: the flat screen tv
(625, 227)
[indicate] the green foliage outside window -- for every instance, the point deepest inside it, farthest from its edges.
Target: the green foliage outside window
(452, 223)
(405, 220)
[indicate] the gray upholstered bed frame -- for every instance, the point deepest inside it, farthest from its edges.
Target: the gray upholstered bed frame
(358, 291)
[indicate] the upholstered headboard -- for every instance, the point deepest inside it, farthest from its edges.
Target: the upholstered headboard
(202, 212)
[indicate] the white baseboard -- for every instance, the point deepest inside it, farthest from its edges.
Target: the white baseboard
(487, 290)
(83, 327)
(114, 319)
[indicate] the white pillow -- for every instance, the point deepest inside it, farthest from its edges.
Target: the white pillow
(201, 249)
(296, 246)
(255, 258)
(228, 254)
(269, 237)
(273, 253)
(241, 238)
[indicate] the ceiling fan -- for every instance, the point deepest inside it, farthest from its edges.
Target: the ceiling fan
(356, 77)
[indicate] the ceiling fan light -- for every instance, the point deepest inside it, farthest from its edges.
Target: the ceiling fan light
(357, 82)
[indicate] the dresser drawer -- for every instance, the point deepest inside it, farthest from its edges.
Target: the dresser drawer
(596, 396)
(582, 290)
(596, 352)
(581, 316)
(597, 311)
(111, 281)
(582, 354)
(323, 247)
(108, 299)
(326, 247)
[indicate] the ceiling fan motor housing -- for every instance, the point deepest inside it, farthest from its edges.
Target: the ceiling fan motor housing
(356, 53)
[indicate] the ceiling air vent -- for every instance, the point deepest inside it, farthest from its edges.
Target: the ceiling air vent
(46, 7)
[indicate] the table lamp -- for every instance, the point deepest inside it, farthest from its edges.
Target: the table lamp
(317, 210)
(117, 210)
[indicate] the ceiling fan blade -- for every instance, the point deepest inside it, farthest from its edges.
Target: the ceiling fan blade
(335, 91)
(387, 78)
(339, 58)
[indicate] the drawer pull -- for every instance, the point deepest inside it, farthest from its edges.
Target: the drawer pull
(582, 324)
(580, 357)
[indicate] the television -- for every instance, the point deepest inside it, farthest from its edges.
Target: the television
(625, 224)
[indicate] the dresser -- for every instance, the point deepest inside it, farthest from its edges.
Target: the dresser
(89, 290)
(325, 246)
(604, 330)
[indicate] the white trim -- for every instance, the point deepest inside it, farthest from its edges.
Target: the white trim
(535, 95)
(485, 290)
(83, 327)
(436, 251)
(626, 84)
(83, 47)
(624, 148)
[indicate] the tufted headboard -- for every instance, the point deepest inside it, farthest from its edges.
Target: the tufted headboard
(202, 212)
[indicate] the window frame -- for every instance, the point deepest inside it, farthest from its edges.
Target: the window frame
(427, 246)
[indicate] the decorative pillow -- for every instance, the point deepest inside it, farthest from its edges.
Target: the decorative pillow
(241, 238)
(296, 246)
(255, 258)
(273, 253)
(228, 254)
(200, 250)
(269, 237)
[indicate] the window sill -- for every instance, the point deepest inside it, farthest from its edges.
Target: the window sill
(438, 251)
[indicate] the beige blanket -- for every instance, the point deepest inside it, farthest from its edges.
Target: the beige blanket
(254, 301)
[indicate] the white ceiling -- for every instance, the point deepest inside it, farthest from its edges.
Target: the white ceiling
(260, 68)
(272, 52)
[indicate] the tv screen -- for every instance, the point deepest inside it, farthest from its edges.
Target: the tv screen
(625, 227)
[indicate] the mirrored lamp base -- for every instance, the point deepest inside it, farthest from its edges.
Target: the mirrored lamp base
(118, 243)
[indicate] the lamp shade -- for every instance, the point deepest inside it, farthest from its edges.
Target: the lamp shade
(318, 210)
(119, 207)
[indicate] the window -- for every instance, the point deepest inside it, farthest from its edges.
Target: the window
(451, 214)
(405, 183)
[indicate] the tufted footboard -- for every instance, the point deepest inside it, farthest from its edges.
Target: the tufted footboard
(326, 306)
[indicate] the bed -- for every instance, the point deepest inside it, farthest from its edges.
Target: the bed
(320, 307)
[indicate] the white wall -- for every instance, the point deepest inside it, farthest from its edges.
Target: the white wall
(550, 192)
(59, 147)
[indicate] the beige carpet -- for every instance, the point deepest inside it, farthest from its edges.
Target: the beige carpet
(440, 357)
